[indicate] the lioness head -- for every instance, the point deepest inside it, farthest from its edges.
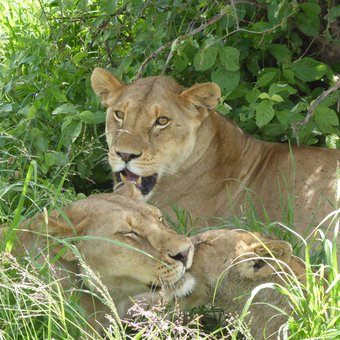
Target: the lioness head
(229, 264)
(151, 124)
(120, 237)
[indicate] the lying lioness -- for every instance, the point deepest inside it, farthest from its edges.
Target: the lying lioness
(178, 149)
(229, 264)
(126, 242)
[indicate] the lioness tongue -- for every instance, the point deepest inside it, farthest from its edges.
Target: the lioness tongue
(130, 176)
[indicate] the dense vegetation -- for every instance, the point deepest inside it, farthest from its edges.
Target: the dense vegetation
(276, 62)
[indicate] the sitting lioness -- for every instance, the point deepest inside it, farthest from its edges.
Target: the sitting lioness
(178, 149)
(125, 241)
(228, 265)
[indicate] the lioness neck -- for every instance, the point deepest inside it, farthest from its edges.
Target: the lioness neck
(214, 134)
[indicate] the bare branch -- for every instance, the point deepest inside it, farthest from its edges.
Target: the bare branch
(319, 99)
(311, 111)
(177, 40)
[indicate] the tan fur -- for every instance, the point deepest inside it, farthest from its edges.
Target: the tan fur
(226, 271)
(122, 217)
(204, 162)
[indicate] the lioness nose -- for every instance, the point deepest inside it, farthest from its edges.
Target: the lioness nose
(182, 256)
(126, 157)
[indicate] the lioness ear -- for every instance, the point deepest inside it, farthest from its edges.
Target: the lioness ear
(264, 258)
(203, 95)
(71, 222)
(128, 189)
(105, 85)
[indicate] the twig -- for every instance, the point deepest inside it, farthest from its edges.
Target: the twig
(311, 111)
(171, 53)
(177, 40)
(235, 13)
(201, 28)
(47, 20)
(318, 100)
(108, 51)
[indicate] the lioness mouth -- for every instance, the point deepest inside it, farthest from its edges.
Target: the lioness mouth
(144, 184)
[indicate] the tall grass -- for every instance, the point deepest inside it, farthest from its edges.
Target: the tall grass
(317, 305)
(32, 307)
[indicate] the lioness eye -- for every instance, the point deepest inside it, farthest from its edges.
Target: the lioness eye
(132, 234)
(119, 115)
(162, 121)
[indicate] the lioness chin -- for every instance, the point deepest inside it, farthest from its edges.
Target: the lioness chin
(229, 266)
(173, 144)
(119, 237)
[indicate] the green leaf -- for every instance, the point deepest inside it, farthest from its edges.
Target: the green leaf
(311, 9)
(68, 109)
(289, 75)
(57, 94)
(55, 158)
(264, 95)
(331, 99)
(332, 141)
(87, 117)
(286, 117)
(252, 95)
(227, 80)
(326, 118)
(230, 58)
(71, 132)
(240, 91)
(224, 109)
(100, 117)
(299, 107)
(333, 13)
(308, 20)
(280, 52)
(31, 112)
(308, 69)
(276, 98)
(4, 108)
(279, 87)
(265, 78)
(92, 117)
(40, 143)
(205, 58)
(273, 130)
(78, 57)
(264, 113)
(181, 62)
